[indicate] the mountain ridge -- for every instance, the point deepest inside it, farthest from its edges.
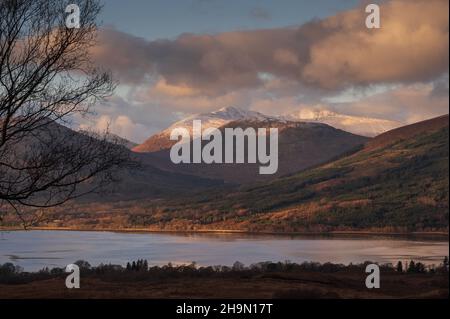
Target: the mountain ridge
(363, 126)
(400, 187)
(301, 145)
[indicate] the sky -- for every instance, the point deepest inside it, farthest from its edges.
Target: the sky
(161, 19)
(176, 58)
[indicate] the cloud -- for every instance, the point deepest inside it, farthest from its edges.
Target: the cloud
(330, 54)
(407, 104)
(125, 55)
(120, 125)
(399, 72)
(402, 103)
(412, 45)
(128, 117)
(182, 102)
(173, 90)
(147, 110)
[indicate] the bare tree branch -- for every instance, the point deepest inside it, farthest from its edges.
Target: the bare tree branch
(47, 77)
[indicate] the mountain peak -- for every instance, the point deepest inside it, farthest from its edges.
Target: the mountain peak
(229, 109)
(221, 117)
(215, 119)
(237, 113)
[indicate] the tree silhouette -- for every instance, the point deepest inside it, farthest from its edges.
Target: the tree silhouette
(46, 79)
(412, 267)
(420, 268)
(445, 263)
(145, 265)
(399, 267)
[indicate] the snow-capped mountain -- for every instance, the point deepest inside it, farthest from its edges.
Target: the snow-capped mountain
(364, 126)
(301, 145)
(220, 118)
(214, 119)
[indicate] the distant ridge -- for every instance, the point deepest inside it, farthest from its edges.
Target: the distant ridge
(396, 184)
(365, 126)
(113, 138)
(409, 131)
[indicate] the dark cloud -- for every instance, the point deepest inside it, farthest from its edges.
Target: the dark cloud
(334, 53)
(126, 55)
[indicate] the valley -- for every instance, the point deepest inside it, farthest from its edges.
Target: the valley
(394, 183)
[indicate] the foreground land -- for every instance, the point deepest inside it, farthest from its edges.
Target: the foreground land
(268, 280)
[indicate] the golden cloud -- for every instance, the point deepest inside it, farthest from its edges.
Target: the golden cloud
(333, 53)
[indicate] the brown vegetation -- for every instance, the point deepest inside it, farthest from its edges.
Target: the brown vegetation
(265, 280)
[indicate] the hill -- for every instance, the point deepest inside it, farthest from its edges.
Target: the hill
(139, 180)
(113, 138)
(301, 146)
(216, 119)
(398, 182)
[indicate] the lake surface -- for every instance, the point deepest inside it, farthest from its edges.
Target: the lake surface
(34, 250)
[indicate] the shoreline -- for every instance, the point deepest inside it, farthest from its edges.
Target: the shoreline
(231, 232)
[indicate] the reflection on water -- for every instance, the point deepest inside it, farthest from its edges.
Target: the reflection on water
(35, 250)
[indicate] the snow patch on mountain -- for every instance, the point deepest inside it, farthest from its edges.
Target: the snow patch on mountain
(364, 126)
(220, 118)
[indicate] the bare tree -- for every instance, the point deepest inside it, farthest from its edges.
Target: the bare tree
(46, 78)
